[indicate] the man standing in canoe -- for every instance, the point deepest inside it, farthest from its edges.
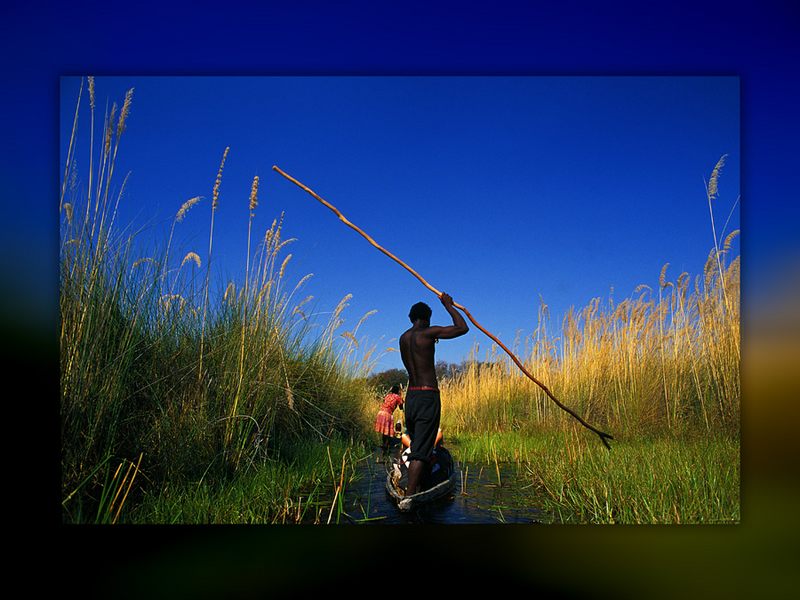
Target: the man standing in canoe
(422, 403)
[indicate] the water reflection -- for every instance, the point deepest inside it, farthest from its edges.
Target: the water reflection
(483, 493)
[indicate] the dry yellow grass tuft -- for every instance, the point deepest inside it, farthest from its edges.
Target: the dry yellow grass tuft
(646, 364)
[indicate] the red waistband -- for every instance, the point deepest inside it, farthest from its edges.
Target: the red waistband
(423, 388)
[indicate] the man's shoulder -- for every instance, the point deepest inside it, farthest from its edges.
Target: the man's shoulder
(420, 331)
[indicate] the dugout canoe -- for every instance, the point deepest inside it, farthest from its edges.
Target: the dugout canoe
(440, 490)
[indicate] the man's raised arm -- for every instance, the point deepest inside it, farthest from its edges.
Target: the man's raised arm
(459, 326)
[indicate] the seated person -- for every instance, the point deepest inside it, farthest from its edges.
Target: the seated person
(437, 473)
(407, 440)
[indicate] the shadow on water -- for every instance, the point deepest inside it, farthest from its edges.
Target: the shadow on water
(478, 497)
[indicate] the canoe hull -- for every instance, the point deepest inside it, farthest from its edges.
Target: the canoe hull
(432, 494)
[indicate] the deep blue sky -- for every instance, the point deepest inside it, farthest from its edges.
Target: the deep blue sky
(498, 190)
(756, 41)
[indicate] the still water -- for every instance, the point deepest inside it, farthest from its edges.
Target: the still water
(484, 493)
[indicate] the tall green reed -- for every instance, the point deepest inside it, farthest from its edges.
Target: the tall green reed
(153, 365)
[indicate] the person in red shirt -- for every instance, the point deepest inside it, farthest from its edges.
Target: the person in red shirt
(384, 421)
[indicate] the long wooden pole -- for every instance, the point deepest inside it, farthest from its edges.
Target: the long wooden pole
(603, 436)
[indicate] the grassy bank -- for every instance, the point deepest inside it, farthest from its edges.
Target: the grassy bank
(659, 370)
(651, 480)
(302, 486)
(174, 383)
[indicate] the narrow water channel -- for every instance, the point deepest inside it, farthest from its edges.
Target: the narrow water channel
(484, 493)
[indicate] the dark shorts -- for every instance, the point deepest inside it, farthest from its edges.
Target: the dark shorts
(423, 409)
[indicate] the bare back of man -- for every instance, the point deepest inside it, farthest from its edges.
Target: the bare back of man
(417, 349)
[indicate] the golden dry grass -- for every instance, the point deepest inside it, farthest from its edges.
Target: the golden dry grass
(664, 361)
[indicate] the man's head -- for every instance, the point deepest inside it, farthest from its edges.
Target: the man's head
(420, 311)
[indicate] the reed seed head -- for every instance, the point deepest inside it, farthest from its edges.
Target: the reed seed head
(341, 306)
(300, 284)
(91, 91)
(142, 261)
(215, 194)
(712, 182)
(734, 268)
(269, 233)
(708, 269)
(302, 303)
(192, 256)
(168, 299)
(110, 128)
(254, 195)
(662, 278)
(283, 265)
(230, 291)
(123, 114)
(728, 240)
(366, 316)
(185, 207)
